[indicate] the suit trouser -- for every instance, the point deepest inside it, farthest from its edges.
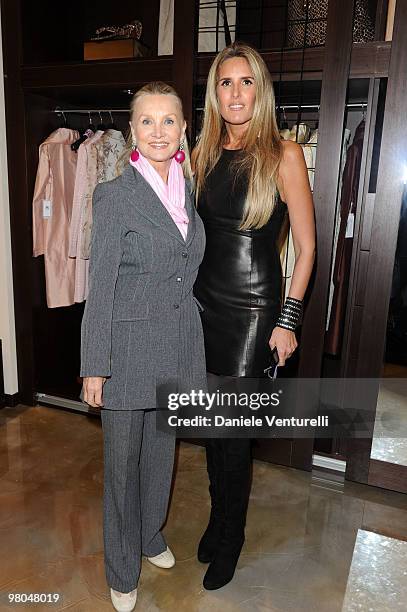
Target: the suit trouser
(138, 465)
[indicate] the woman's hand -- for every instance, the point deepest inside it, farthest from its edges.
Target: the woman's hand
(92, 390)
(285, 341)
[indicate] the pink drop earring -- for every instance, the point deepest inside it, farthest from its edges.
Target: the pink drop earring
(134, 153)
(180, 155)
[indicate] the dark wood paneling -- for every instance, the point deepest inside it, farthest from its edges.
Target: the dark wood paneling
(53, 34)
(13, 400)
(367, 60)
(393, 155)
(120, 73)
(185, 41)
(358, 267)
(2, 396)
(366, 230)
(354, 335)
(21, 247)
(289, 61)
(337, 55)
(261, 23)
(387, 475)
(370, 59)
(381, 19)
(278, 450)
(361, 278)
(333, 99)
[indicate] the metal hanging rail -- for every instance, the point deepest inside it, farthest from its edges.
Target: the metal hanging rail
(283, 107)
(361, 105)
(92, 111)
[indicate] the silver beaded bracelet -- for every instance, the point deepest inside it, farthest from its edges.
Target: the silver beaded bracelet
(290, 314)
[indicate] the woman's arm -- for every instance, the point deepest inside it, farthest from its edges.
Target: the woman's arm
(295, 190)
(104, 262)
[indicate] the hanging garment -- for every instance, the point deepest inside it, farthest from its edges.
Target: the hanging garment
(310, 154)
(343, 255)
(104, 154)
(81, 183)
(80, 193)
(287, 253)
(52, 210)
(337, 222)
(96, 164)
(299, 133)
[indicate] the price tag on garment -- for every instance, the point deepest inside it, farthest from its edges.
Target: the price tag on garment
(46, 209)
(350, 225)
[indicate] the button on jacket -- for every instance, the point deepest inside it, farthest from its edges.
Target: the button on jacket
(141, 326)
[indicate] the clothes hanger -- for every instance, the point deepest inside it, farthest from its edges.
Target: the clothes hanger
(91, 125)
(112, 125)
(87, 133)
(65, 121)
(284, 124)
(101, 125)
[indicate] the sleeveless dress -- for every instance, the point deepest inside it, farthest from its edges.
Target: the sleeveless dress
(239, 283)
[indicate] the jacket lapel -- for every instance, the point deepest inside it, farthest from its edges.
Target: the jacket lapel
(145, 199)
(191, 212)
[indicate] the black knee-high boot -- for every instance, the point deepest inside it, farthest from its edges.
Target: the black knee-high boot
(212, 535)
(235, 480)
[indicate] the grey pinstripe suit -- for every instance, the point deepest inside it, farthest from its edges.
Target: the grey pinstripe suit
(141, 329)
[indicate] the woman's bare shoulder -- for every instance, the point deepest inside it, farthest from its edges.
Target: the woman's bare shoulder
(291, 152)
(292, 163)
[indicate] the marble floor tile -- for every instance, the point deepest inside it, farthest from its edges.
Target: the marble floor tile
(378, 574)
(308, 547)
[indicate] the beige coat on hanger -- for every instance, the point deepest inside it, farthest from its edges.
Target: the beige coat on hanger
(52, 210)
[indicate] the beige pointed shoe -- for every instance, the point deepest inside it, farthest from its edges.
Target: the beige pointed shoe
(165, 559)
(123, 602)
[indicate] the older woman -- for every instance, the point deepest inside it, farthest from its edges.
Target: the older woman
(246, 182)
(141, 330)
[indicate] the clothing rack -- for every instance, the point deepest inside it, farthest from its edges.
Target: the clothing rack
(284, 107)
(91, 111)
(82, 111)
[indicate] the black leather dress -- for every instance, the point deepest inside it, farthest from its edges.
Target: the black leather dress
(239, 282)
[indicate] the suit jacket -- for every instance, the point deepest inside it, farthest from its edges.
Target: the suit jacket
(141, 326)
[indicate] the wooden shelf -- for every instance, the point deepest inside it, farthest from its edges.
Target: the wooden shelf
(368, 60)
(99, 73)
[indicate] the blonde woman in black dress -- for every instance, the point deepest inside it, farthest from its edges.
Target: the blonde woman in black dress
(246, 180)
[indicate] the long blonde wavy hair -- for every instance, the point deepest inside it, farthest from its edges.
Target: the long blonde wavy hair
(261, 144)
(153, 88)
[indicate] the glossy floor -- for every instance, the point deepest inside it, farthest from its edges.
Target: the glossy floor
(311, 544)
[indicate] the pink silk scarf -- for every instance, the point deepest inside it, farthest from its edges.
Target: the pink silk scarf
(172, 195)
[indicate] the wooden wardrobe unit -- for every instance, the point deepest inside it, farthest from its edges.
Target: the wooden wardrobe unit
(44, 69)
